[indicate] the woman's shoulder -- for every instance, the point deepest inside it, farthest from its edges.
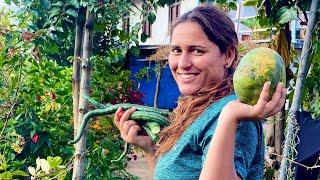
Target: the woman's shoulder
(216, 107)
(206, 122)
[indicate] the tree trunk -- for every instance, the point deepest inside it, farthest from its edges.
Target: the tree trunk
(76, 67)
(296, 102)
(156, 94)
(80, 147)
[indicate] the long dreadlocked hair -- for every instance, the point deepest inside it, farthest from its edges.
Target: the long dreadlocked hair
(219, 29)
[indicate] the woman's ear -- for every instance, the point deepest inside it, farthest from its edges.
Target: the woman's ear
(230, 57)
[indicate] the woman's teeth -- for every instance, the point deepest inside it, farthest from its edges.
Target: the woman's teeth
(187, 76)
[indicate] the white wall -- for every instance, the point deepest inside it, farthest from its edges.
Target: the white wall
(160, 28)
(187, 5)
(135, 15)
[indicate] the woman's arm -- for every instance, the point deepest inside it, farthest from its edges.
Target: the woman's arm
(219, 163)
(150, 159)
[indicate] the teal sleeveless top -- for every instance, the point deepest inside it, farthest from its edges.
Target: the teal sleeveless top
(185, 159)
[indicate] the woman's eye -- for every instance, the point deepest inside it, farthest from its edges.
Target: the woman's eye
(197, 52)
(175, 51)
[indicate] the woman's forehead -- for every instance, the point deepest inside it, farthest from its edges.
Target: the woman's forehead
(189, 33)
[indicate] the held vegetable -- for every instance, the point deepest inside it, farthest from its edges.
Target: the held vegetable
(126, 106)
(150, 119)
(257, 67)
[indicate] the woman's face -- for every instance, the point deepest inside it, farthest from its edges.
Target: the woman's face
(194, 60)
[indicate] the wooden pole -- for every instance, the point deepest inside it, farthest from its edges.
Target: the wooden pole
(296, 102)
(157, 92)
(76, 67)
(80, 147)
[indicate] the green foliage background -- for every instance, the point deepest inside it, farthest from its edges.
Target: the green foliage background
(36, 51)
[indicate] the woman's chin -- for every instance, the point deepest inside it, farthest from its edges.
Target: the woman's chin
(187, 91)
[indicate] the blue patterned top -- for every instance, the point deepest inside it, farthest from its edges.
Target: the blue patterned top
(185, 160)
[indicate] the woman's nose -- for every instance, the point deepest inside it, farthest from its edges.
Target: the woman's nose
(184, 61)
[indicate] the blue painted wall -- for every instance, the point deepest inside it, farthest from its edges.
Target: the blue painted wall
(169, 91)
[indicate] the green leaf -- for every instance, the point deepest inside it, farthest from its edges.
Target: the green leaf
(3, 166)
(45, 3)
(316, 54)
(306, 4)
(72, 12)
(35, 13)
(250, 3)
(286, 14)
(151, 18)
(144, 37)
(123, 52)
(19, 173)
(123, 35)
(74, 3)
(15, 2)
(263, 21)
(54, 162)
(9, 38)
(162, 3)
(221, 1)
(59, 29)
(7, 2)
(6, 175)
(59, 3)
(232, 5)
(83, 3)
(250, 22)
(32, 133)
(53, 13)
(135, 50)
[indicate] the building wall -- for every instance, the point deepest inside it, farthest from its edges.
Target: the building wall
(168, 91)
(187, 5)
(160, 28)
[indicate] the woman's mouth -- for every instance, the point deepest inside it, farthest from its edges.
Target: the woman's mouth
(187, 75)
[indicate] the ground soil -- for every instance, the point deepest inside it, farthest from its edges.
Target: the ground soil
(140, 168)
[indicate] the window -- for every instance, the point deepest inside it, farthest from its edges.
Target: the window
(147, 28)
(245, 37)
(174, 11)
(301, 27)
(126, 22)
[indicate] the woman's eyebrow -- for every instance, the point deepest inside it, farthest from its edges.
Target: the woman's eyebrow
(173, 46)
(197, 46)
(190, 47)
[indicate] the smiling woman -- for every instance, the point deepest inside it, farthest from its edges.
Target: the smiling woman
(210, 136)
(195, 61)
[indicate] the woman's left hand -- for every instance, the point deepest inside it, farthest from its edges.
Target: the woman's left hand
(262, 109)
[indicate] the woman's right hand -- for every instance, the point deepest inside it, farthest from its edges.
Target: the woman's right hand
(131, 131)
